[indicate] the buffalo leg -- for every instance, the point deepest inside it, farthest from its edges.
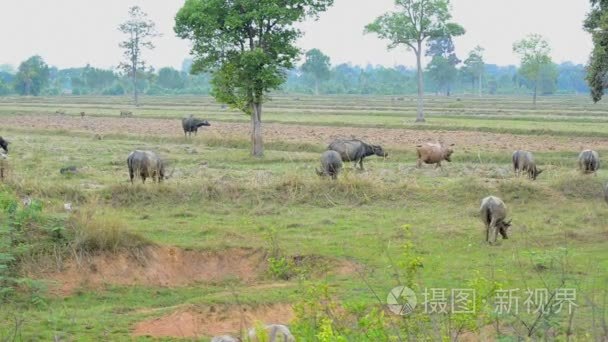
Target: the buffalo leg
(438, 165)
(361, 163)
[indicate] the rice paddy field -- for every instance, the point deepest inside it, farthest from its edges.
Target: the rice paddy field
(229, 242)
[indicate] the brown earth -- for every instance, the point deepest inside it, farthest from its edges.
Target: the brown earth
(396, 138)
(198, 321)
(171, 267)
(159, 266)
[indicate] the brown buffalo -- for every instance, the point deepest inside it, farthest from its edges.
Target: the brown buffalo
(433, 153)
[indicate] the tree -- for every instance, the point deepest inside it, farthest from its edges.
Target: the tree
(140, 30)
(442, 67)
(415, 22)
(534, 53)
(475, 66)
(32, 76)
(247, 45)
(170, 78)
(317, 64)
(596, 23)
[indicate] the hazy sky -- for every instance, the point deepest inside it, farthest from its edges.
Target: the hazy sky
(68, 33)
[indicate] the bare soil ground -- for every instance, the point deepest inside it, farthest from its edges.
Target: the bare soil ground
(195, 321)
(396, 138)
(161, 266)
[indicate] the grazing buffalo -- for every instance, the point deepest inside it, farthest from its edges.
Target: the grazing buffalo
(276, 333)
(331, 164)
(588, 161)
(145, 164)
(493, 213)
(3, 166)
(191, 124)
(433, 153)
(523, 161)
(126, 113)
(356, 150)
(4, 144)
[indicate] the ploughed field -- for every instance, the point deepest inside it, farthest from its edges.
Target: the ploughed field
(229, 240)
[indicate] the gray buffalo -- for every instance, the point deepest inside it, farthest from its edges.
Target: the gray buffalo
(355, 150)
(493, 214)
(588, 161)
(523, 161)
(4, 144)
(192, 124)
(433, 153)
(331, 164)
(146, 164)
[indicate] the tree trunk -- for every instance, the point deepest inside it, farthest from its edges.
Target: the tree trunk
(480, 85)
(135, 98)
(420, 114)
(257, 143)
(534, 96)
(316, 86)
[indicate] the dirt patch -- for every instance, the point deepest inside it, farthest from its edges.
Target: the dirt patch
(273, 132)
(161, 266)
(199, 321)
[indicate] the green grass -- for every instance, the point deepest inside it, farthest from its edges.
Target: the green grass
(219, 198)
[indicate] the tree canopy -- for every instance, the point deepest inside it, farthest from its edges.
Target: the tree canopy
(139, 30)
(32, 76)
(414, 22)
(247, 45)
(596, 23)
(534, 53)
(317, 64)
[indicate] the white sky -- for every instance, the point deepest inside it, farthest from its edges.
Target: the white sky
(71, 33)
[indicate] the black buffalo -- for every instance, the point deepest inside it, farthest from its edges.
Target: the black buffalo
(356, 150)
(191, 124)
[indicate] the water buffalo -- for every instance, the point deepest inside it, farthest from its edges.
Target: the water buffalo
(4, 144)
(356, 150)
(493, 213)
(523, 161)
(276, 333)
(126, 113)
(191, 124)
(145, 164)
(331, 164)
(588, 161)
(3, 166)
(433, 153)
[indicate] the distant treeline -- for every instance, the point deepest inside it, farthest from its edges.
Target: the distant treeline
(565, 78)
(35, 78)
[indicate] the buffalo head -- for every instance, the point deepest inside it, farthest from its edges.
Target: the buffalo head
(379, 151)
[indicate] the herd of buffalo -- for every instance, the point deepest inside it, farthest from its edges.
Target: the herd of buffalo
(493, 211)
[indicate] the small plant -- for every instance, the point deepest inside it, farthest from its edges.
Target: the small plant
(279, 266)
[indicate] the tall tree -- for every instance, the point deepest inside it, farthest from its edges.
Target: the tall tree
(442, 67)
(247, 45)
(139, 30)
(414, 22)
(32, 76)
(596, 23)
(317, 64)
(474, 66)
(534, 53)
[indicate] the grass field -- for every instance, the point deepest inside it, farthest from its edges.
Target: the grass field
(228, 232)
